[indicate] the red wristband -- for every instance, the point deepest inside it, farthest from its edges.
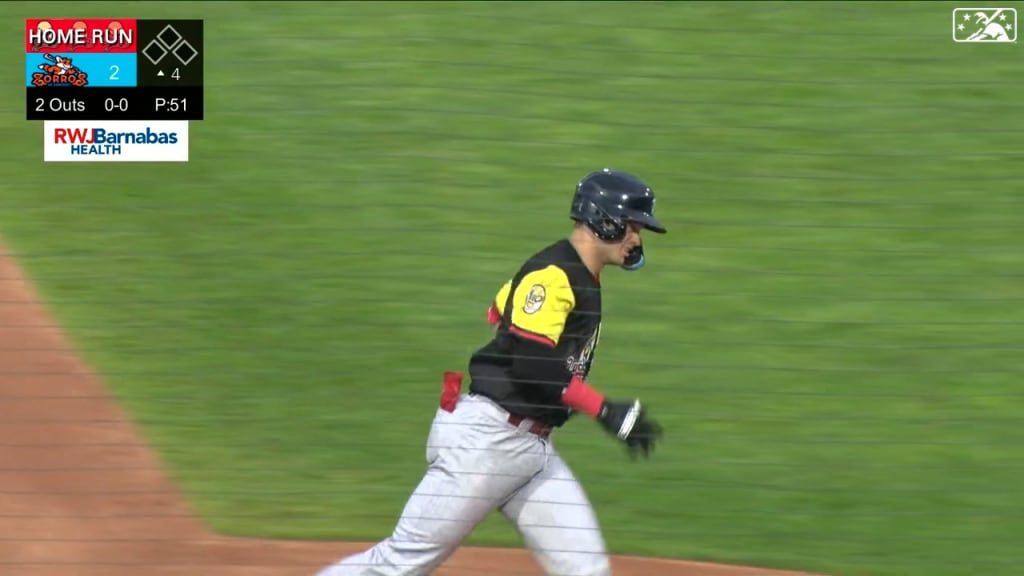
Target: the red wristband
(580, 396)
(493, 315)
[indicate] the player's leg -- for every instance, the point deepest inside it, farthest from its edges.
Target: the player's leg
(430, 528)
(476, 461)
(558, 524)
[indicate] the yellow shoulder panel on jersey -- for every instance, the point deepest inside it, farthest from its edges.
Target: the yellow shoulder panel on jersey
(502, 297)
(541, 305)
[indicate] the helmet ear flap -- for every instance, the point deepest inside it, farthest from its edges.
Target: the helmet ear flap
(612, 231)
(600, 223)
(635, 260)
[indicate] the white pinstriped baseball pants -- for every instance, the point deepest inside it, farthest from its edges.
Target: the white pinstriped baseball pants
(477, 463)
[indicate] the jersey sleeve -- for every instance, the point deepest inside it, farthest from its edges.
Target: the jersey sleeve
(497, 309)
(541, 305)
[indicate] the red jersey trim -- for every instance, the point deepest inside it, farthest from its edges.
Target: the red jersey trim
(532, 336)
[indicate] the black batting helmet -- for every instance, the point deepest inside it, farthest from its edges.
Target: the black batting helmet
(607, 200)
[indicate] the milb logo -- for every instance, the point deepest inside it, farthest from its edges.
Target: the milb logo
(100, 141)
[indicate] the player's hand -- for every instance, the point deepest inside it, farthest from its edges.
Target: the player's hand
(630, 423)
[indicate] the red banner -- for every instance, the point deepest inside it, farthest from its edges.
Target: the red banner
(81, 35)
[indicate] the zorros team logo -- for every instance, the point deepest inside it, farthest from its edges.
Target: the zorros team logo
(61, 71)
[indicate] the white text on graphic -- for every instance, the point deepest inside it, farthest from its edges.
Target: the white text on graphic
(80, 37)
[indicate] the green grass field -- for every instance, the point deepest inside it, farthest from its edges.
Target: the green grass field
(832, 331)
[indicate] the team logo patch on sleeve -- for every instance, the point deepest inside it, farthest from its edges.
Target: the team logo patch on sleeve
(534, 299)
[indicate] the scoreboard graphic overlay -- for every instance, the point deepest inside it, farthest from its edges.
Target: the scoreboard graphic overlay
(114, 89)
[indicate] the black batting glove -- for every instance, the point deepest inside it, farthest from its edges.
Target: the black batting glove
(629, 422)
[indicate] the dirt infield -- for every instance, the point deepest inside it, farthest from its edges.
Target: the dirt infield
(81, 494)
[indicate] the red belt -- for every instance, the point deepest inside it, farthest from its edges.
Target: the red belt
(536, 428)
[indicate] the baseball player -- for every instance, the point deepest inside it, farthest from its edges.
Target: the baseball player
(490, 449)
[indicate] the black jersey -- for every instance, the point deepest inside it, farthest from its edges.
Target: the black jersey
(548, 319)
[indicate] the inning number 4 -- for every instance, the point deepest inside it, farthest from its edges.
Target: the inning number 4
(176, 75)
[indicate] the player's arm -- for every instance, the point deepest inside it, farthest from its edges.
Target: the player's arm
(540, 308)
(497, 308)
